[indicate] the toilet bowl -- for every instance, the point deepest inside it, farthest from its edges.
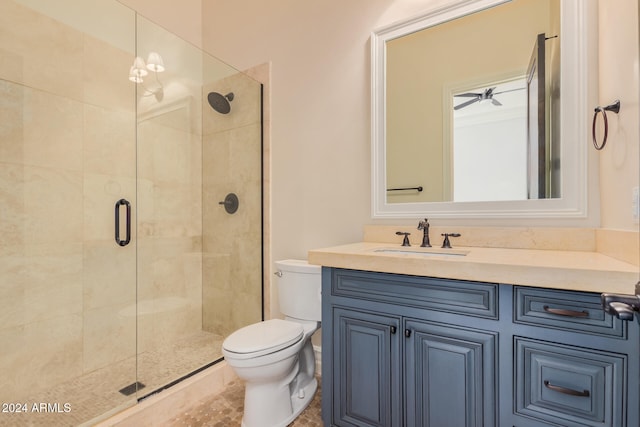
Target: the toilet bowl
(275, 357)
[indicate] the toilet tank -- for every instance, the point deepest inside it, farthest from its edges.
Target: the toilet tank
(299, 285)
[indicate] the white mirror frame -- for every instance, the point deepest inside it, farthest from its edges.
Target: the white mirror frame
(579, 89)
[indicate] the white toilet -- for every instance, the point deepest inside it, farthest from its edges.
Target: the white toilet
(275, 357)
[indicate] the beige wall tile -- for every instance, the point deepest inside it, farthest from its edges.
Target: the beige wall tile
(215, 290)
(106, 76)
(53, 200)
(12, 292)
(12, 122)
(12, 202)
(12, 386)
(165, 152)
(109, 275)
(51, 52)
(60, 338)
(568, 239)
(52, 131)
(109, 141)
(232, 244)
(52, 281)
(170, 219)
(109, 336)
(11, 66)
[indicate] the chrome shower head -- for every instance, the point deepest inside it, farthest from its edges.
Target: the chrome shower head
(220, 103)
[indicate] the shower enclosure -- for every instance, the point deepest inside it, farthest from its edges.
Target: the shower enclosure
(120, 270)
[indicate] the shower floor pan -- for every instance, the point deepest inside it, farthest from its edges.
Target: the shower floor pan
(92, 395)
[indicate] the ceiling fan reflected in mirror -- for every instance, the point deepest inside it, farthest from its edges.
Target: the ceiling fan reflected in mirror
(484, 96)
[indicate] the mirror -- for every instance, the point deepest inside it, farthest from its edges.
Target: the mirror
(467, 115)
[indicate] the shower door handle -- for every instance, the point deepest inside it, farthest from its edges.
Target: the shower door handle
(127, 205)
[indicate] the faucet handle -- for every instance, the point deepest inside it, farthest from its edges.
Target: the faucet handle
(405, 241)
(445, 242)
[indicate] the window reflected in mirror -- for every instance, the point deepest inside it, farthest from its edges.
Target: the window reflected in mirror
(490, 141)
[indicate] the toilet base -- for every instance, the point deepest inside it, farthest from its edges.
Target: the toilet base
(300, 399)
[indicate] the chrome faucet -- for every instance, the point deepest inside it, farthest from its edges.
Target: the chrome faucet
(424, 226)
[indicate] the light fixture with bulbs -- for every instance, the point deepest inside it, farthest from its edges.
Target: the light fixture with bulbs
(141, 69)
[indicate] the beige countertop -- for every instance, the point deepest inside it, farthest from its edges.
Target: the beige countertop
(559, 269)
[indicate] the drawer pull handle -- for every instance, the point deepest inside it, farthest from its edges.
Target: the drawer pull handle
(568, 313)
(393, 329)
(564, 390)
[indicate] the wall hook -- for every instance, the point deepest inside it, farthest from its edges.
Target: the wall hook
(615, 107)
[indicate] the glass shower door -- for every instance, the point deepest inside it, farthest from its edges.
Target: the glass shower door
(199, 266)
(67, 156)
(120, 271)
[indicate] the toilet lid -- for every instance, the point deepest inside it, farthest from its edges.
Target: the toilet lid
(264, 337)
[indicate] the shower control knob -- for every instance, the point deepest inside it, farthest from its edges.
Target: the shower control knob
(230, 203)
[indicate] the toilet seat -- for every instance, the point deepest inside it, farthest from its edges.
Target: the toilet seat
(263, 338)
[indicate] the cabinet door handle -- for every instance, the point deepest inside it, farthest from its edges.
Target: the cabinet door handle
(568, 313)
(407, 333)
(393, 329)
(564, 390)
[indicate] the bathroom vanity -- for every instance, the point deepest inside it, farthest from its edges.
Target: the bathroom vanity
(433, 347)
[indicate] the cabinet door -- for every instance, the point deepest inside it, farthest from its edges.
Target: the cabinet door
(366, 379)
(449, 375)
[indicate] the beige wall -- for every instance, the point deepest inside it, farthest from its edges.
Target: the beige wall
(619, 73)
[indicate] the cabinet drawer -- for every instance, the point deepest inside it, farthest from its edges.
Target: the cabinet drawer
(569, 386)
(575, 311)
(454, 296)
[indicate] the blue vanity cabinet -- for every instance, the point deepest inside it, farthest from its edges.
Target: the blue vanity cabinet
(409, 351)
(398, 364)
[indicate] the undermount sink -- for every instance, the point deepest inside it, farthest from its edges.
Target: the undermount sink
(423, 252)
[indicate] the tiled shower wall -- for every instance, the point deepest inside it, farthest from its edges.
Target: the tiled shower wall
(169, 225)
(232, 244)
(66, 118)
(70, 147)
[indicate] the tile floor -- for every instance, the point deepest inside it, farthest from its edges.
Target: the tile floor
(225, 410)
(95, 393)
